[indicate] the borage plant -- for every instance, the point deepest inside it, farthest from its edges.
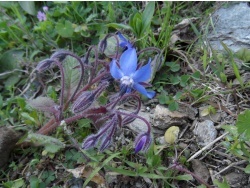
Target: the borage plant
(123, 67)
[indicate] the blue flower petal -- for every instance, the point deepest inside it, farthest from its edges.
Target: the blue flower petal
(128, 62)
(115, 70)
(142, 74)
(125, 42)
(142, 90)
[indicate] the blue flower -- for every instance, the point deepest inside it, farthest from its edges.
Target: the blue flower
(124, 42)
(143, 142)
(128, 74)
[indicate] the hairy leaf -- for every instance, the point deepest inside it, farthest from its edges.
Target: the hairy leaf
(72, 75)
(43, 103)
(52, 145)
(28, 6)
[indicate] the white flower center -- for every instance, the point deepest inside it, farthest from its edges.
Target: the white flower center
(126, 80)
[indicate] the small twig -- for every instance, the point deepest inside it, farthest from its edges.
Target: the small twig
(206, 147)
(229, 166)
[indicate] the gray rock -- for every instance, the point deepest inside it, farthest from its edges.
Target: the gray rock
(231, 25)
(237, 179)
(138, 125)
(205, 132)
(161, 140)
(189, 111)
(200, 169)
(163, 118)
(8, 139)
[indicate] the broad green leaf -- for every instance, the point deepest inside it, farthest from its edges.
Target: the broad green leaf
(10, 61)
(72, 75)
(243, 123)
(65, 30)
(12, 80)
(147, 16)
(44, 104)
(28, 6)
(6, 4)
(51, 144)
(231, 129)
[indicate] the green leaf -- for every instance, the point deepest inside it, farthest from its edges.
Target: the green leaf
(11, 80)
(173, 106)
(44, 104)
(65, 30)
(72, 75)
(122, 171)
(10, 60)
(96, 170)
(147, 16)
(119, 26)
(184, 80)
(6, 4)
(243, 123)
(138, 27)
(163, 98)
(247, 169)
(243, 54)
(235, 67)
(28, 6)
(174, 80)
(186, 177)
(196, 75)
(84, 123)
(224, 184)
(51, 144)
(102, 100)
(178, 95)
(27, 116)
(174, 67)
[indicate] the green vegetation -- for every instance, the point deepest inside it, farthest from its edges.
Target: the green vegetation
(184, 72)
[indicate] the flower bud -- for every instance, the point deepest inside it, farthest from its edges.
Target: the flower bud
(44, 65)
(142, 142)
(60, 55)
(89, 142)
(83, 101)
